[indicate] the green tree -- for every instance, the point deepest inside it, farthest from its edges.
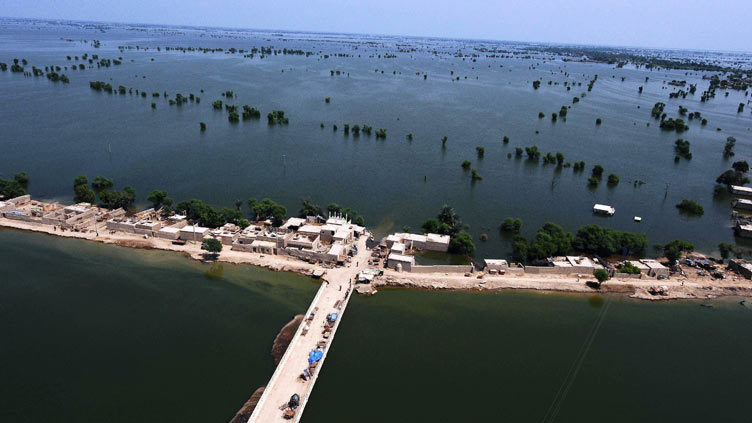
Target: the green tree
(674, 249)
(630, 268)
(11, 188)
(83, 194)
(80, 180)
(601, 275)
(732, 177)
(690, 207)
(461, 243)
(309, 209)
(741, 166)
(213, 246)
(597, 171)
(158, 198)
(198, 211)
(550, 240)
(520, 248)
(267, 209)
(450, 220)
(511, 225)
(431, 226)
(22, 178)
(466, 164)
(613, 179)
(100, 183)
(113, 199)
(725, 249)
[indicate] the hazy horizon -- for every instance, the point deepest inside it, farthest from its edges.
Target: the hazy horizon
(693, 25)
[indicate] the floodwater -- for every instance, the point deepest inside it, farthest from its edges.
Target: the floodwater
(92, 332)
(100, 333)
(59, 131)
(407, 356)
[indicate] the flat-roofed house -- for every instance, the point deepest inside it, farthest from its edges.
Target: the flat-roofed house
(655, 268)
(400, 262)
(193, 233)
(337, 253)
(581, 264)
(741, 190)
(436, 242)
(264, 247)
(147, 227)
(170, 232)
(398, 248)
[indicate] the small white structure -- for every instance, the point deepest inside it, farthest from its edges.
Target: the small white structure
(637, 219)
(499, 265)
(744, 230)
(400, 262)
(741, 203)
(740, 190)
(398, 248)
(604, 209)
(655, 269)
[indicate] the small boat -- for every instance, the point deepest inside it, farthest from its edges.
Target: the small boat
(637, 219)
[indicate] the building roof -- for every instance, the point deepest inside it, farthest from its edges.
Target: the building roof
(604, 208)
(741, 189)
(311, 229)
(170, 229)
(294, 221)
(342, 233)
(652, 264)
(402, 258)
(194, 229)
(579, 261)
(336, 221)
(337, 250)
(393, 238)
(437, 238)
(263, 244)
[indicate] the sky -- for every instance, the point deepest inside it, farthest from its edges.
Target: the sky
(687, 24)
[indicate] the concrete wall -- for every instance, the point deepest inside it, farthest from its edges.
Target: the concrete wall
(549, 270)
(628, 276)
(307, 255)
(465, 268)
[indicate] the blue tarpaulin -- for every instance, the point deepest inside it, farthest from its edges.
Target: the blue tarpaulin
(332, 317)
(315, 356)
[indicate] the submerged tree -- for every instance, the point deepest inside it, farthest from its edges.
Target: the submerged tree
(511, 225)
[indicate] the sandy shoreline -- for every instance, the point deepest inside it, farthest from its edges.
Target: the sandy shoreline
(679, 287)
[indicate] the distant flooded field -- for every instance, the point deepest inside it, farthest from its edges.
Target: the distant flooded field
(429, 88)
